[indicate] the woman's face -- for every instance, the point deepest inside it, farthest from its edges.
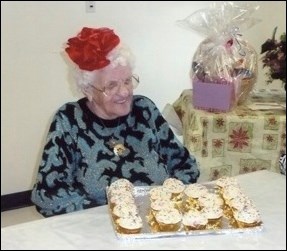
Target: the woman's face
(112, 96)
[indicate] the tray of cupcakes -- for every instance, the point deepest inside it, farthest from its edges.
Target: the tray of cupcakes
(174, 209)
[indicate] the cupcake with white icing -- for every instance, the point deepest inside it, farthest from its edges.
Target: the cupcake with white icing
(121, 185)
(176, 187)
(191, 194)
(210, 200)
(129, 225)
(214, 216)
(225, 181)
(159, 193)
(231, 191)
(124, 210)
(161, 204)
(155, 207)
(235, 200)
(239, 203)
(121, 198)
(249, 216)
(168, 220)
(194, 220)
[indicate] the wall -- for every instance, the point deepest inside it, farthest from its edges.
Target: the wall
(35, 80)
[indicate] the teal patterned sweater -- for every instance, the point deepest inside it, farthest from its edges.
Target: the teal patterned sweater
(78, 163)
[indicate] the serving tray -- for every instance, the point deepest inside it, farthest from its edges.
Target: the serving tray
(143, 203)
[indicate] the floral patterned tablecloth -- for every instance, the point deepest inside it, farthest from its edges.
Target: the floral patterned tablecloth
(240, 141)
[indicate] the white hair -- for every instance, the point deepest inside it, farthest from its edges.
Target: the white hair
(120, 55)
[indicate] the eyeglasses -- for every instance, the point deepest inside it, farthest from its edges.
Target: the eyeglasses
(112, 87)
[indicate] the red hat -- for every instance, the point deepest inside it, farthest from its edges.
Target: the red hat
(89, 49)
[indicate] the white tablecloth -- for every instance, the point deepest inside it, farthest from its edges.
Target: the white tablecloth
(92, 229)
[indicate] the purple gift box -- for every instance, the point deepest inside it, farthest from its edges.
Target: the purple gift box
(217, 97)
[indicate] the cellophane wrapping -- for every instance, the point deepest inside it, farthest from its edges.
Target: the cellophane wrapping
(224, 66)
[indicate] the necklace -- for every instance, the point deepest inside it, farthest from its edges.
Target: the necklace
(118, 147)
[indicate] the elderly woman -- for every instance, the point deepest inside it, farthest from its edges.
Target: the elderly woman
(107, 135)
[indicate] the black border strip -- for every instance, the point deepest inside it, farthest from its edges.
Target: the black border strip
(16, 200)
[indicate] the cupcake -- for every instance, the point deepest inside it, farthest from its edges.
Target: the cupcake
(124, 210)
(247, 217)
(168, 220)
(239, 203)
(225, 181)
(155, 207)
(194, 220)
(231, 191)
(121, 198)
(176, 187)
(210, 200)
(214, 216)
(160, 204)
(129, 225)
(236, 204)
(191, 194)
(121, 185)
(159, 193)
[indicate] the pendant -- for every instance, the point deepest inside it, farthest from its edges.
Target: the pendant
(119, 149)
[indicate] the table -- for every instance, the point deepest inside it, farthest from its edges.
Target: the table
(236, 142)
(92, 229)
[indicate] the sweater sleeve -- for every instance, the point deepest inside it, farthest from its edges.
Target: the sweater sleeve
(180, 163)
(55, 191)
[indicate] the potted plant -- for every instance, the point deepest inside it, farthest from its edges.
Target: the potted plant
(274, 58)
